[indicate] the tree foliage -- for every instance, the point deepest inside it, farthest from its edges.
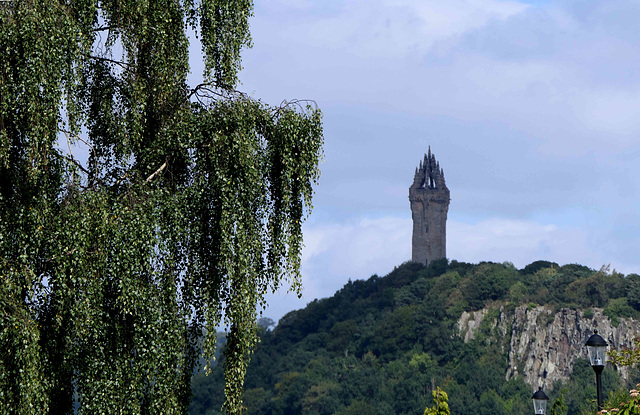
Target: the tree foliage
(378, 346)
(440, 403)
(630, 404)
(627, 356)
(187, 210)
(559, 406)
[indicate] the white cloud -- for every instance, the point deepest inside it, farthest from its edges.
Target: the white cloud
(395, 28)
(368, 246)
(520, 242)
(358, 249)
(565, 75)
(336, 252)
(613, 113)
(294, 4)
(531, 109)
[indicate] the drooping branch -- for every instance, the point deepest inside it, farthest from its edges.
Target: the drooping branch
(124, 263)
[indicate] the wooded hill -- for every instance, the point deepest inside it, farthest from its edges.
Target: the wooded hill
(380, 346)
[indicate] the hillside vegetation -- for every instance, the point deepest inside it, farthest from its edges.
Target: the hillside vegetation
(380, 346)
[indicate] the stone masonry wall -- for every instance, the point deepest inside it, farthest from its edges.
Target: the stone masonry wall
(429, 213)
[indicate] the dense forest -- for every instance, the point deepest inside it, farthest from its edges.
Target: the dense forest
(382, 345)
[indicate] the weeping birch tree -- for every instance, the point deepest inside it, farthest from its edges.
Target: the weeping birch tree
(137, 212)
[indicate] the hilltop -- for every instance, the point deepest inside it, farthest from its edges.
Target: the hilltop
(476, 330)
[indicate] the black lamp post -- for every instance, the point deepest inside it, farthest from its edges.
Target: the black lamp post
(597, 347)
(540, 400)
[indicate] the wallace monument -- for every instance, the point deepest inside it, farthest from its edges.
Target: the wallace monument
(429, 198)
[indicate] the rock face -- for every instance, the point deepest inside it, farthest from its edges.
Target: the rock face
(543, 345)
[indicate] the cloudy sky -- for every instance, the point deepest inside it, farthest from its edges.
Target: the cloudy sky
(530, 107)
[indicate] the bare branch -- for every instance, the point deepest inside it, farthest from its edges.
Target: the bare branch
(156, 172)
(78, 165)
(287, 105)
(209, 91)
(68, 143)
(123, 65)
(77, 137)
(297, 103)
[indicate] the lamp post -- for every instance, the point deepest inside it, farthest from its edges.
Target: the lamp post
(540, 400)
(597, 348)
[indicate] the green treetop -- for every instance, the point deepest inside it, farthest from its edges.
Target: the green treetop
(440, 403)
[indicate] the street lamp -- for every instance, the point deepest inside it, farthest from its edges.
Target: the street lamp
(597, 348)
(540, 400)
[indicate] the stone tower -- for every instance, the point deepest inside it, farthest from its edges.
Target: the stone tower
(429, 197)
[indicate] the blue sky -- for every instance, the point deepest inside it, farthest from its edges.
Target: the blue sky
(530, 107)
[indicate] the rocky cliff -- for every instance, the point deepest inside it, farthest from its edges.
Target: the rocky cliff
(542, 345)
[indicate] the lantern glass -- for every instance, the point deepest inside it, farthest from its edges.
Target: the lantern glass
(540, 406)
(597, 355)
(540, 400)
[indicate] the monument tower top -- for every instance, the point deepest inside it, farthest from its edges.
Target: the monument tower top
(429, 198)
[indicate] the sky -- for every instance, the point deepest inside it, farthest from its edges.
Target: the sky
(531, 108)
